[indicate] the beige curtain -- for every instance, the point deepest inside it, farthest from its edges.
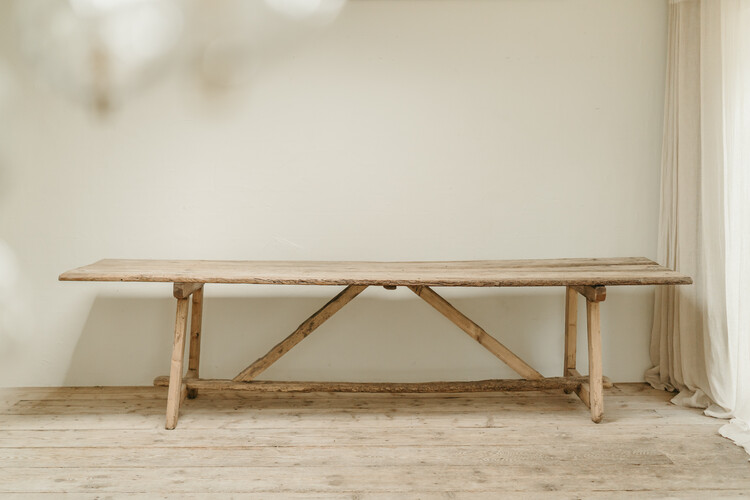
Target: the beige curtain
(700, 341)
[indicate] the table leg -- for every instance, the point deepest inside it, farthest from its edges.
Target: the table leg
(196, 319)
(571, 325)
(176, 385)
(596, 396)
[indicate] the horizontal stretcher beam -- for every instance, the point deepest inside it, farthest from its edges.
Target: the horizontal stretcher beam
(493, 385)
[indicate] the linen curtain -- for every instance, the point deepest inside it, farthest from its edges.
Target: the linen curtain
(700, 343)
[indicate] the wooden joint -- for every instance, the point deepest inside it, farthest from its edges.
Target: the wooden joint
(185, 290)
(606, 382)
(592, 293)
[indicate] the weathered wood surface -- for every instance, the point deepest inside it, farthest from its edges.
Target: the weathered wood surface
(698, 494)
(368, 446)
(196, 325)
(302, 331)
(596, 398)
(385, 387)
(177, 388)
(194, 349)
(184, 290)
(543, 272)
(571, 330)
(582, 391)
(592, 293)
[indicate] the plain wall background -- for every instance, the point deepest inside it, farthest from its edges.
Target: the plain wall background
(407, 130)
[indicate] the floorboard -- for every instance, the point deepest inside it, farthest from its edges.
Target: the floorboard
(94, 442)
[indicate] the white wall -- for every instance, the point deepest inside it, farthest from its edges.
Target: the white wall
(407, 130)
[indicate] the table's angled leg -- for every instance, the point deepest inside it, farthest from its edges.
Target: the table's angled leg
(476, 332)
(571, 324)
(302, 331)
(176, 385)
(196, 319)
(596, 396)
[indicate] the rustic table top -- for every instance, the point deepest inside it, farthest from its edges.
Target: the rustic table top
(475, 273)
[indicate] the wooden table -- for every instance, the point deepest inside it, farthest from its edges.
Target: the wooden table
(587, 277)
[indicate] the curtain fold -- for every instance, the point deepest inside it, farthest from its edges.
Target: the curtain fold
(700, 343)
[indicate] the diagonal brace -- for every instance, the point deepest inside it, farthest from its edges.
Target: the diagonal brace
(305, 329)
(476, 332)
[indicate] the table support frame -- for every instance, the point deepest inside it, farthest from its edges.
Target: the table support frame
(588, 388)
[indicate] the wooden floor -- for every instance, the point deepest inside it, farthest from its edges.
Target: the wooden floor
(111, 442)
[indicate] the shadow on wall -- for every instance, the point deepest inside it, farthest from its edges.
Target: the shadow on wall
(127, 341)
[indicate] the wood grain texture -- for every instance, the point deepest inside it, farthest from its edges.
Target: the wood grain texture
(543, 272)
(177, 389)
(194, 349)
(302, 331)
(499, 385)
(476, 332)
(363, 446)
(571, 329)
(583, 390)
(596, 398)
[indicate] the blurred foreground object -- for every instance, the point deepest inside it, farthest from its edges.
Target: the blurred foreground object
(234, 38)
(98, 51)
